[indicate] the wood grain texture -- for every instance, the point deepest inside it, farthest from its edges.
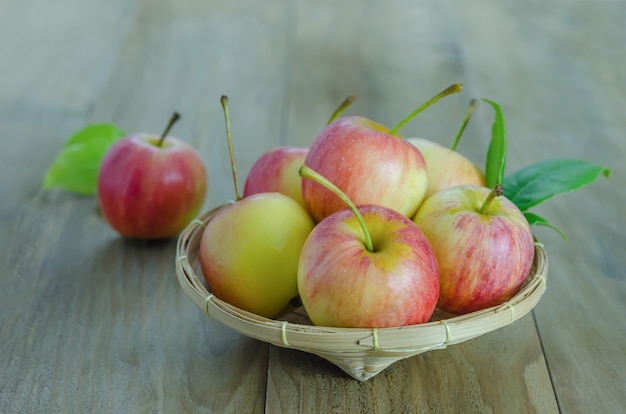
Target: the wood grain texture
(500, 372)
(377, 63)
(50, 80)
(119, 300)
(97, 312)
(391, 56)
(184, 58)
(90, 322)
(566, 100)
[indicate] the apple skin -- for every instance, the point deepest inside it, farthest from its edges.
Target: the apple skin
(249, 252)
(368, 165)
(147, 191)
(447, 168)
(342, 284)
(483, 258)
(277, 171)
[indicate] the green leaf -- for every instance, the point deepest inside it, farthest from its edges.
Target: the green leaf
(76, 168)
(534, 219)
(496, 154)
(538, 182)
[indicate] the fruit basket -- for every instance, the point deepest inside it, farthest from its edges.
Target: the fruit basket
(361, 353)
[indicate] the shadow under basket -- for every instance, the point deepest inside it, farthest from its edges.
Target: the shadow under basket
(360, 352)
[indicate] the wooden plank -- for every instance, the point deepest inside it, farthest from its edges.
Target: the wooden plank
(96, 323)
(503, 371)
(92, 322)
(185, 58)
(393, 59)
(51, 77)
(558, 71)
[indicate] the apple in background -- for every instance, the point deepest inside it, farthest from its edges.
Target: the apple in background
(366, 163)
(151, 187)
(370, 163)
(369, 267)
(249, 252)
(483, 243)
(446, 167)
(277, 171)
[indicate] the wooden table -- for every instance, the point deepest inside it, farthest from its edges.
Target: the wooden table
(91, 322)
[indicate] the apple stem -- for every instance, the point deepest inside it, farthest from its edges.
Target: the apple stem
(497, 191)
(470, 110)
(307, 172)
(346, 103)
(224, 101)
(175, 117)
(457, 87)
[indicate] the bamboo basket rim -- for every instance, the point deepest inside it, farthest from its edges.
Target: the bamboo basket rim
(360, 352)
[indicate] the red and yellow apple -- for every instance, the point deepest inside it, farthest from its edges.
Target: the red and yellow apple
(446, 167)
(151, 187)
(367, 267)
(483, 243)
(368, 165)
(277, 171)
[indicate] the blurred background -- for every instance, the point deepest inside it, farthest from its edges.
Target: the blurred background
(557, 68)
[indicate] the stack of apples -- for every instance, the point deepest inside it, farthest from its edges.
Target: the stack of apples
(368, 229)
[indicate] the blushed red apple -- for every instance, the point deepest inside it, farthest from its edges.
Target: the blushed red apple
(483, 243)
(367, 267)
(368, 165)
(277, 171)
(151, 187)
(368, 162)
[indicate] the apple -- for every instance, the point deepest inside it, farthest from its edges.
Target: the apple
(446, 167)
(370, 163)
(483, 243)
(249, 250)
(366, 267)
(151, 187)
(277, 171)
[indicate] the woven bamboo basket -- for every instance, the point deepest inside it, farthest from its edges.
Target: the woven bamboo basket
(361, 353)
